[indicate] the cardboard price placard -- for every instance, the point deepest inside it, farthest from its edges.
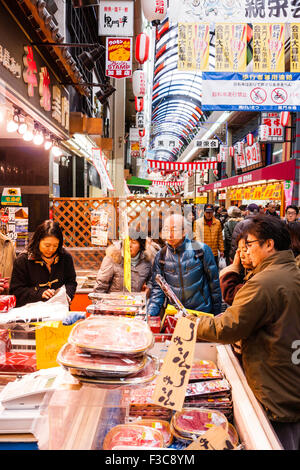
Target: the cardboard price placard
(217, 438)
(175, 372)
(50, 337)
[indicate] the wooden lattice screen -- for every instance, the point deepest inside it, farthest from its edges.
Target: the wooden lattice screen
(74, 214)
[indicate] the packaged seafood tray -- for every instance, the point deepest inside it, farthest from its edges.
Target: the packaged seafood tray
(191, 422)
(146, 375)
(161, 425)
(137, 299)
(72, 357)
(204, 370)
(208, 388)
(110, 336)
(132, 436)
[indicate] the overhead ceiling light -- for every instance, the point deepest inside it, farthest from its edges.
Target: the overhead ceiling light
(12, 121)
(22, 125)
(57, 152)
(38, 138)
(89, 59)
(48, 143)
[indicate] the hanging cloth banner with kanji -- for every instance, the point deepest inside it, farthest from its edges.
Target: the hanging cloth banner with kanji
(182, 166)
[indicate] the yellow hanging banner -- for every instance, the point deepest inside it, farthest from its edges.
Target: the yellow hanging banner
(268, 47)
(127, 264)
(50, 337)
(231, 47)
(193, 46)
(295, 46)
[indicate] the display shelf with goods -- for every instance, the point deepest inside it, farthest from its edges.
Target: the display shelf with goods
(81, 416)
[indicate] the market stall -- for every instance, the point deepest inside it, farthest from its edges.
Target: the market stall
(93, 384)
(278, 182)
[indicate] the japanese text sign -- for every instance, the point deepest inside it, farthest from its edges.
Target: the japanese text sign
(116, 18)
(231, 47)
(193, 46)
(99, 164)
(235, 11)
(174, 375)
(268, 48)
(118, 57)
(216, 438)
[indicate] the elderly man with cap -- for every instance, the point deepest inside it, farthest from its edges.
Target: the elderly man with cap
(189, 268)
(251, 211)
(208, 230)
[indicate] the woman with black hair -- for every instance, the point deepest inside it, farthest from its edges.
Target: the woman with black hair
(43, 268)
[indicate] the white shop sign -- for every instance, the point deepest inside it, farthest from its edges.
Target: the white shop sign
(116, 18)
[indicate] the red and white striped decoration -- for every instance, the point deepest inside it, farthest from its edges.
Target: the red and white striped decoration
(139, 104)
(167, 183)
(249, 139)
(182, 166)
(284, 118)
(142, 48)
(231, 151)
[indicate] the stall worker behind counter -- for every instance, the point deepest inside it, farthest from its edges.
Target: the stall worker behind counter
(265, 315)
(43, 268)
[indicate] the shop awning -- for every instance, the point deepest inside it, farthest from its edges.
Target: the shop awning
(278, 171)
(135, 181)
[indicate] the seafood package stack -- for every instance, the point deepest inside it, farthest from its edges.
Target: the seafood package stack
(110, 350)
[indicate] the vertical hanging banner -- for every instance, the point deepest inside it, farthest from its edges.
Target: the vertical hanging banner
(268, 47)
(100, 166)
(118, 57)
(127, 256)
(294, 48)
(193, 46)
(231, 47)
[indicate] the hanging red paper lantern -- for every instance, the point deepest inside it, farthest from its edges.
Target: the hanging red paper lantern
(163, 173)
(142, 48)
(141, 132)
(139, 83)
(215, 172)
(148, 171)
(154, 10)
(190, 173)
(139, 104)
(284, 118)
(231, 151)
(249, 139)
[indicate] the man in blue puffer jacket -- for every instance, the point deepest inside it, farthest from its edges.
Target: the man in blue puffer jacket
(190, 270)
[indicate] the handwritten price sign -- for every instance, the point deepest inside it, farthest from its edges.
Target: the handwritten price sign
(175, 372)
(217, 438)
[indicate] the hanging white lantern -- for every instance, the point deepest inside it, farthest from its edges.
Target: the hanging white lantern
(142, 48)
(139, 104)
(154, 10)
(284, 118)
(249, 139)
(139, 83)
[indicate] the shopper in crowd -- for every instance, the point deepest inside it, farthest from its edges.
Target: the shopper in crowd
(294, 231)
(291, 214)
(190, 217)
(208, 230)
(235, 216)
(189, 268)
(43, 268)
(265, 316)
(261, 210)
(223, 217)
(271, 209)
(243, 209)
(234, 276)
(7, 258)
(251, 211)
(154, 241)
(110, 277)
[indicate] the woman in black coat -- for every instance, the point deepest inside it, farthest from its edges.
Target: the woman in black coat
(43, 268)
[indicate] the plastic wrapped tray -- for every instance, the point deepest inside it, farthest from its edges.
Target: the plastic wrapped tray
(148, 373)
(71, 356)
(196, 421)
(160, 425)
(132, 435)
(110, 336)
